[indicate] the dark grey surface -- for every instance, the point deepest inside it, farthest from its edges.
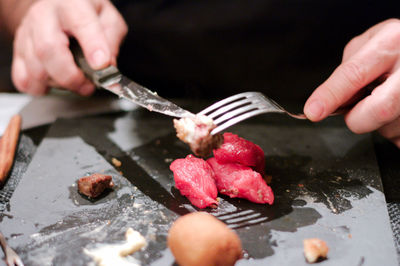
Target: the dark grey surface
(339, 199)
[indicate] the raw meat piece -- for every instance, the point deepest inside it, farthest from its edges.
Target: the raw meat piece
(195, 131)
(195, 179)
(238, 150)
(240, 181)
(93, 185)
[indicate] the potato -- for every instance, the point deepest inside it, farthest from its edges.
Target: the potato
(201, 239)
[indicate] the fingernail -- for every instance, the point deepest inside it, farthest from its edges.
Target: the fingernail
(99, 59)
(314, 110)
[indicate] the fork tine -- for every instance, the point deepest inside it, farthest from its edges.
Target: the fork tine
(231, 114)
(224, 102)
(235, 120)
(228, 107)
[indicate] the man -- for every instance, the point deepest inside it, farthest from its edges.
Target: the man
(42, 59)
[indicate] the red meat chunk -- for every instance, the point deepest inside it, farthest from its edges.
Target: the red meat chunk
(195, 179)
(240, 181)
(93, 185)
(238, 150)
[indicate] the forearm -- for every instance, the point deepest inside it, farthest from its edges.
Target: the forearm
(12, 12)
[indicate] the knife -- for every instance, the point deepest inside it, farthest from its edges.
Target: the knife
(112, 80)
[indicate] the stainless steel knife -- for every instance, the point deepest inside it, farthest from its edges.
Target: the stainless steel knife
(112, 80)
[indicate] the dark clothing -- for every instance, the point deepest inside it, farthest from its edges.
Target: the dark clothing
(213, 48)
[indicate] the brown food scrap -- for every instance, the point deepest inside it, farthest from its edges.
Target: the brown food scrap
(196, 132)
(315, 249)
(116, 162)
(8, 144)
(93, 185)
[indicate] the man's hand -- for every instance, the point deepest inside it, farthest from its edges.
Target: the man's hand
(371, 56)
(41, 56)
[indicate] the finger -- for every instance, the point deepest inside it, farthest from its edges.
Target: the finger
(380, 108)
(37, 75)
(27, 73)
(19, 73)
(361, 69)
(356, 43)
(114, 27)
(396, 142)
(83, 23)
(391, 130)
(52, 48)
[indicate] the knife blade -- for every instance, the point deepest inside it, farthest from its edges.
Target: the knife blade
(112, 80)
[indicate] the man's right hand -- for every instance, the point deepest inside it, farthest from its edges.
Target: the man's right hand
(41, 56)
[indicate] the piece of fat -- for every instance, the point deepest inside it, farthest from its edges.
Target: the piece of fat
(114, 254)
(196, 130)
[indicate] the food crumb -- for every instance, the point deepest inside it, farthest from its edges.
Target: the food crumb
(268, 179)
(301, 185)
(116, 162)
(350, 236)
(315, 249)
(114, 254)
(93, 185)
(168, 160)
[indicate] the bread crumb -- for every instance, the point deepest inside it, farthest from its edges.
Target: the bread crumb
(116, 162)
(314, 249)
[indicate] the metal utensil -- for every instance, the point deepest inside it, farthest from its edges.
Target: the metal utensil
(112, 80)
(239, 107)
(12, 259)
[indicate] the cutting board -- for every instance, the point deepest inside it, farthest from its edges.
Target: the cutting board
(325, 179)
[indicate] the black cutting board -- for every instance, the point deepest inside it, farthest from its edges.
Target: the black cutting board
(325, 179)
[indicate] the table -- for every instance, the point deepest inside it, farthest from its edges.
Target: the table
(388, 157)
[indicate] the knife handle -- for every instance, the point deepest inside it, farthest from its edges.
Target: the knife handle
(99, 77)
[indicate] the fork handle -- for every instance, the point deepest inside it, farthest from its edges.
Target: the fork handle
(339, 111)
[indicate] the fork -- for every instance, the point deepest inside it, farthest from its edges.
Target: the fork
(236, 108)
(11, 257)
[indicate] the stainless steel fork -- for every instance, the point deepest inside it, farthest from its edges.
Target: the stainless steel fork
(11, 257)
(239, 107)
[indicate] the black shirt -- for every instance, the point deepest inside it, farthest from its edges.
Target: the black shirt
(213, 48)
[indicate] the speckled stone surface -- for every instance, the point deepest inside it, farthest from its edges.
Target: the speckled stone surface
(326, 181)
